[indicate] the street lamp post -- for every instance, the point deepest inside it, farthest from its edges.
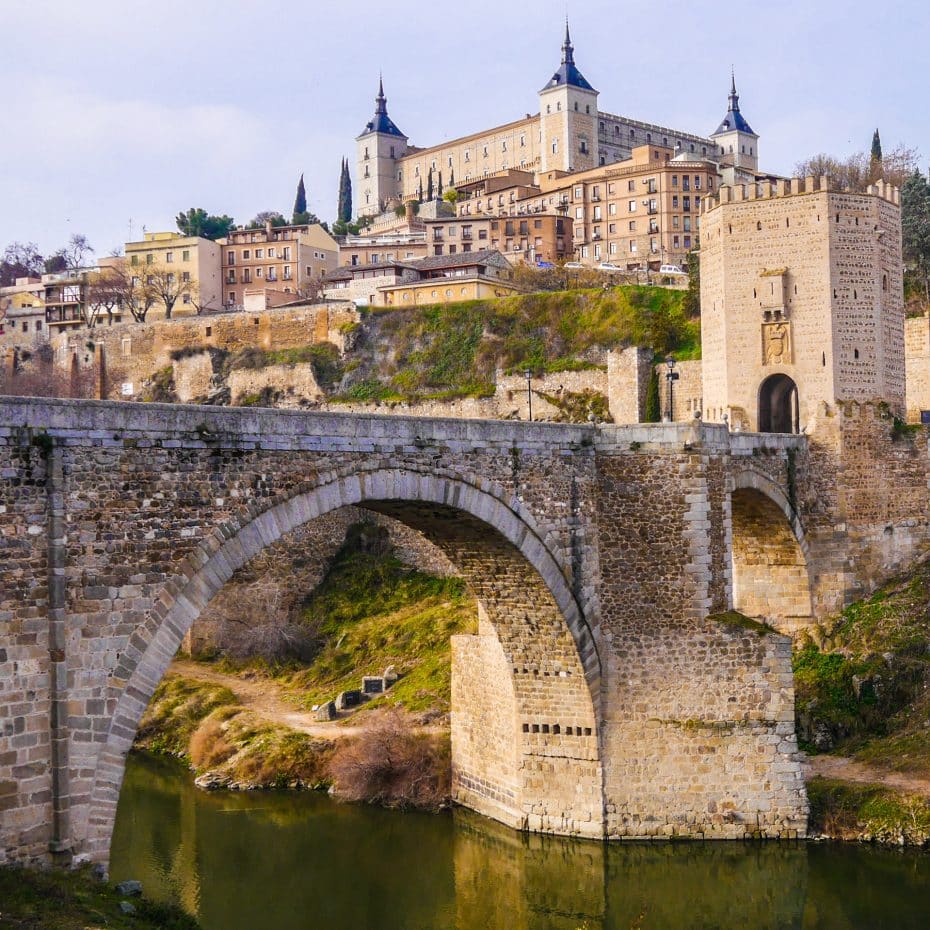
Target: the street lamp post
(671, 377)
(529, 393)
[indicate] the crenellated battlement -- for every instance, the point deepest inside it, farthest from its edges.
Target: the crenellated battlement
(792, 187)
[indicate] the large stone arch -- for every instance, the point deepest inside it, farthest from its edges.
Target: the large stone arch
(540, 635)
(770, 554)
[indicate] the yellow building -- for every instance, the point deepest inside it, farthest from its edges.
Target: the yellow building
(444, 279)
(185, 270)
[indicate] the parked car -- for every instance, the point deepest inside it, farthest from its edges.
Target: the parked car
(671, 269)
(609, 266)
(574, 265)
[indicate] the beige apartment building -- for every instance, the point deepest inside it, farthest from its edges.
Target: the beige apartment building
(531, 239)
(286, 259)
(389, 247)
(640, 213)
(22, 313)
(189, 265)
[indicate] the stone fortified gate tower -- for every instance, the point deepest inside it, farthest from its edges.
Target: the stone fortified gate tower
(605, 694)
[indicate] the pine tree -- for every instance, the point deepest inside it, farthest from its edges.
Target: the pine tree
(429, 185)
(300, 203)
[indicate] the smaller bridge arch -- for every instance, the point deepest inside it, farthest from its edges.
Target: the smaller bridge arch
(770, 556)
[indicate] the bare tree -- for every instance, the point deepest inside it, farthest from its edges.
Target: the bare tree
(106, 292)
(311, 289)
(857, 171)
(167, 285)
(197, 300)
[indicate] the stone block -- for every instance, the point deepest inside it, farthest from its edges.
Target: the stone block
(346, 700)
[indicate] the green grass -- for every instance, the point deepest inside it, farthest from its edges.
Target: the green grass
(865, 680)
(371, 611)
(176, 711)
(847, 810)
(455, 349)
(75, 900)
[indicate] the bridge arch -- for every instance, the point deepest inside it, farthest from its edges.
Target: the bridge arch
(543, 638)
(770, 554)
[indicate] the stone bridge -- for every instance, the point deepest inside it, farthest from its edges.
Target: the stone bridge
(606, 693)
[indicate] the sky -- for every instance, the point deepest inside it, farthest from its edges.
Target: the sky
(118, 115)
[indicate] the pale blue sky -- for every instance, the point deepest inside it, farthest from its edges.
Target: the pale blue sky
(117, 110)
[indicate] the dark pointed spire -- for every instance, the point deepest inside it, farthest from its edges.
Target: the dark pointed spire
(382, 122)
(734, 96)
(568, 73)
(568, 52)
(734, 120)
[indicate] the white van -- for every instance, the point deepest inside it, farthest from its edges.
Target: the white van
(671, 269)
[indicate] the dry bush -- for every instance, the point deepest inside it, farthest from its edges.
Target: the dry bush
(390, 763)
(208, 746)
(257, 625)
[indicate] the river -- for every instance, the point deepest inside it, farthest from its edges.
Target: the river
(299, 861)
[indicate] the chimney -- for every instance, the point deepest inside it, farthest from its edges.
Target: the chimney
(268, 228)
(408, 213)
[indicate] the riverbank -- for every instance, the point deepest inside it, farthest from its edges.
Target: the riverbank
(242, 734)
(75, 900)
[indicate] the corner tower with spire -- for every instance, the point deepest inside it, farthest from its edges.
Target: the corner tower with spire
(568, 117)
(380, 147)
(737, 144)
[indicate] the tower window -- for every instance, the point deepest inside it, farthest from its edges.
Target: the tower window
(855, 353)
(759, 225)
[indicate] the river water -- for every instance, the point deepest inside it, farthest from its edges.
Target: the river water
(299, 861)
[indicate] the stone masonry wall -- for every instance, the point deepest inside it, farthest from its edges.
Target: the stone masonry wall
(917, 365)
(711, 703)
(135, 351)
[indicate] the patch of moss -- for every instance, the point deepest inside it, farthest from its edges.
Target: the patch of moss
(55, 899)
(735, 619)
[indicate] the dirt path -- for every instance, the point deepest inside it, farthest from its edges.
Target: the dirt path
(850, 770)
(264, 699)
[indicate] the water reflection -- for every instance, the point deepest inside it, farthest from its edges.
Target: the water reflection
(300, 861)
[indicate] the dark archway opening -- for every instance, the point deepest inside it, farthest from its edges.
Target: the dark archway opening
(778, 405)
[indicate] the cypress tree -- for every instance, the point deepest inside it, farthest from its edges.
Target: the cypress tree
(876, 148)
(300, 202)
(344, 215)
(345, 203)
(452, 177)
(429, 185)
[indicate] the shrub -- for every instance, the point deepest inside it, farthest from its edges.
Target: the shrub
(208, 746)
(391, 763)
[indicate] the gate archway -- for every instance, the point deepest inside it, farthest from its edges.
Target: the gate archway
(778, 405)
